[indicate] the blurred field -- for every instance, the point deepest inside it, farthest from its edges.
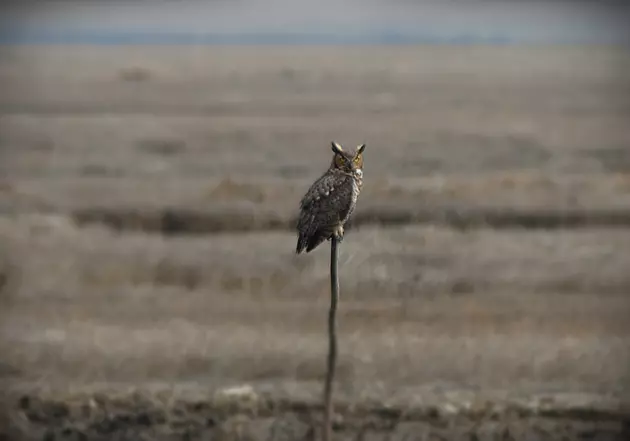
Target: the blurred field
(485, 285)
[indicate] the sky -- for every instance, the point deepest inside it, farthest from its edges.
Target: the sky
(301, 21)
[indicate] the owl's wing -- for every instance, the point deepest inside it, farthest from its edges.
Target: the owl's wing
(323, 206)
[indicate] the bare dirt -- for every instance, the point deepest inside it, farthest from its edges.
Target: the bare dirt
(148, 284)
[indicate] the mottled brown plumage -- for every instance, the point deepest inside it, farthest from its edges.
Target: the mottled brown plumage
(330, 201)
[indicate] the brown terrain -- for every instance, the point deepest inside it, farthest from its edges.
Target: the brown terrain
(149, 288)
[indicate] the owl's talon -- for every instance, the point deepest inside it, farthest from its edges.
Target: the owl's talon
(339, 234)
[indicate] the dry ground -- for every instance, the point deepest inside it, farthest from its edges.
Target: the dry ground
(464, 313)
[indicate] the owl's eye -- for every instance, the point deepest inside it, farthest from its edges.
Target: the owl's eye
(340, 160)
(357, 159)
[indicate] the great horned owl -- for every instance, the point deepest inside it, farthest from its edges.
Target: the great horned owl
(330, 201)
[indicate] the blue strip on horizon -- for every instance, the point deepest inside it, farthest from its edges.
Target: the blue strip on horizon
(106, 38)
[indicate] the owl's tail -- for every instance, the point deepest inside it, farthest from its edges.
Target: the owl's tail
(309, 243)
(301, 244)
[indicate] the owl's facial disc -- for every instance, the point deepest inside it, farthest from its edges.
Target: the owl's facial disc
(349, 162)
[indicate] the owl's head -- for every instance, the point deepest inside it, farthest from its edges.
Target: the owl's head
(348, 161)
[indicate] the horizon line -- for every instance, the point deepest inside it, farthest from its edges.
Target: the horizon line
(144, 37)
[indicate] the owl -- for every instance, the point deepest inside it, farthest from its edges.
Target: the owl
(330, 201)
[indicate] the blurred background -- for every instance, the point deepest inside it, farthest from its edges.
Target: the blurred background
(152, 158)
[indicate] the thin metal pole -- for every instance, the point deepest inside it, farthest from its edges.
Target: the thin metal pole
(332, 340)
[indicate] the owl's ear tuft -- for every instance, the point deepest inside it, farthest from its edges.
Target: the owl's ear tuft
(336, 147)
(360, 149)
